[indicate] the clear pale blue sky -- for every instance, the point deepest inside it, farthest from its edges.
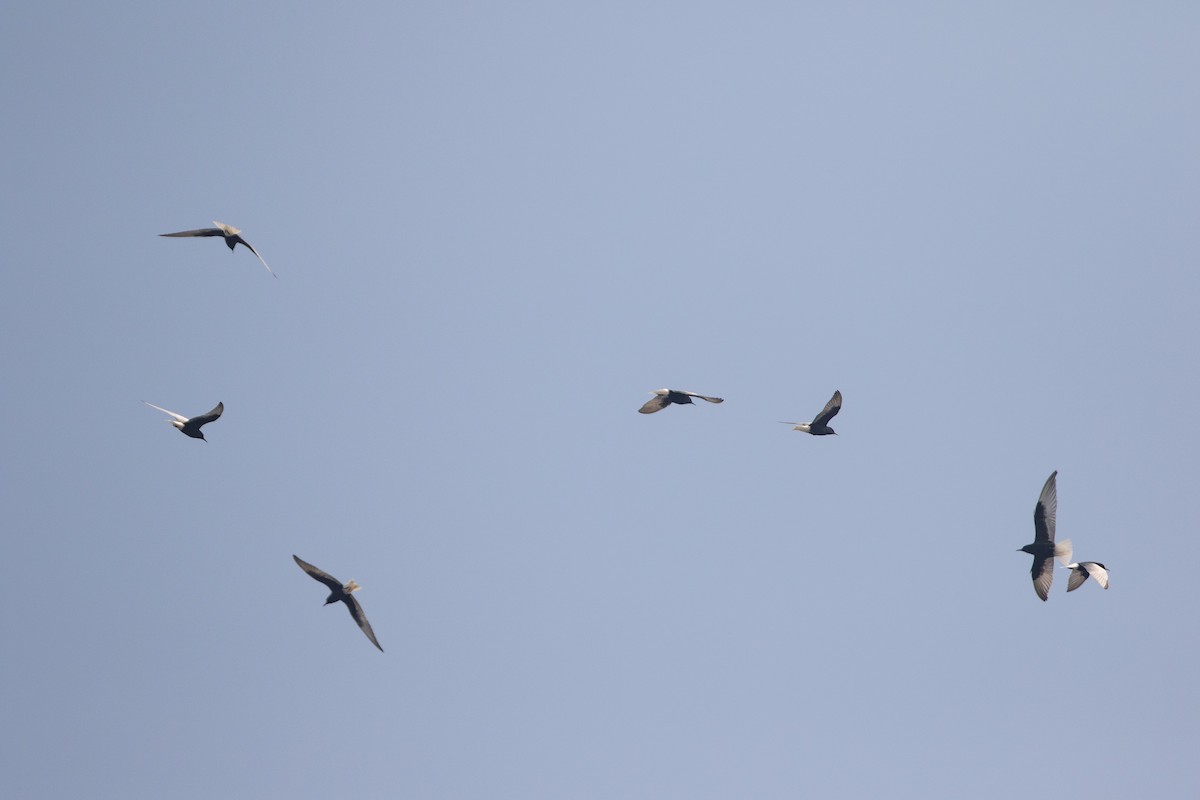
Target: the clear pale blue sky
(497, 227)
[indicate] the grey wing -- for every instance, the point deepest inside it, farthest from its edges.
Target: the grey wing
(361, 618)
(197, 232)
(830, 411)
(204, 419)
(656, 403)
(1097, 571)
(1043, 575)
(1046, 510)
(250, 247)
(320, 575)
(710, 399)
(1078, 576)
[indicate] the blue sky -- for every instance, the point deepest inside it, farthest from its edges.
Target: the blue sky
(497, 228)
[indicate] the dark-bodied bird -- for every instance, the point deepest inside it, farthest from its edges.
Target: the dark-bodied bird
(1044, 550)
(664, 397)
(339, 592)
(820, 425)
(191, 425)
(232, 238)
(1081, 571)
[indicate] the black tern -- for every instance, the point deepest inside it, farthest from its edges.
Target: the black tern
(232, 238)
(1081, 571)
(820, 425)
(190, 426)
(664, 397)
(344, 593)
(1043, 549)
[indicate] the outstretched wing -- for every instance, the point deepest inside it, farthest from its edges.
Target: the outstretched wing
(320, 575)
(204, 419)
(1043, 575)
(1046, 510)
(1097, 571)
(656, 403)
(830, 411)
(1077, 577)
(179, 417)
(702, 397)
(197, 232)
(250, 247)
(361, 618)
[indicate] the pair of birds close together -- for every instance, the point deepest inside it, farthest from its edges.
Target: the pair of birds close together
(1044, 549)
(190, 426)
(818, 427)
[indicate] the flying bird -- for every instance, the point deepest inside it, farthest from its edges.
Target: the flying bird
(232, 238)
(344, 593)
(1081, 571)
(191, 425)
(664, 397)
(1043, 549)
(820, 425)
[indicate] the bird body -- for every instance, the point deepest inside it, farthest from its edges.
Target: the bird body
(1043, 548)
(1081, 571)
(232, 237)
(820, 424)
(343, 593)
(190, 426)
(665, 397)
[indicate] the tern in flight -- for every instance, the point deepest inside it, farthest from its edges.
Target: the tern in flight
(820, 425)
(1043, 549)
(344, 593)
(232, 238)
(191, 425)
(1081, 571)
(664, 397)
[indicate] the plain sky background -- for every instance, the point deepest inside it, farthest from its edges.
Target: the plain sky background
(497, 227)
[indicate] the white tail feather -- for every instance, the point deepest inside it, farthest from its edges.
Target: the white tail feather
(1062, 551)
(351, 586)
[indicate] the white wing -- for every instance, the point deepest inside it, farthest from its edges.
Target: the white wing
(260, 258)
(179, 417)
(1097, 571)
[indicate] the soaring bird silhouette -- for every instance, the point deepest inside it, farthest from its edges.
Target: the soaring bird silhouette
(232, 238)
(190, 426)
(339, 592)
(820, 425)
(1081, 571)
(664, 397)
(1043, 549)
